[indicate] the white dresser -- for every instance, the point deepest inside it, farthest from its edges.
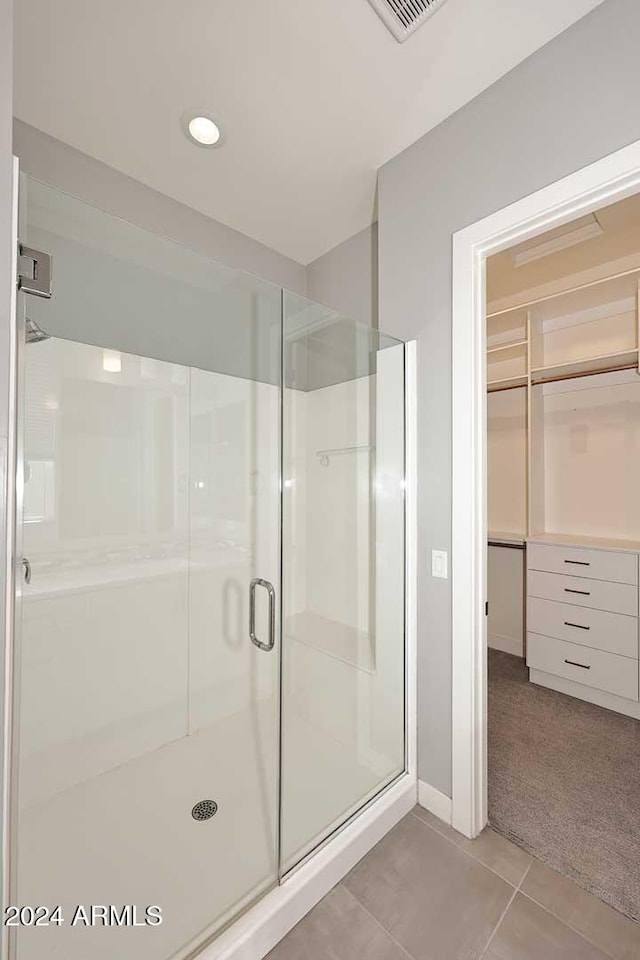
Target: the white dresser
(582, 621)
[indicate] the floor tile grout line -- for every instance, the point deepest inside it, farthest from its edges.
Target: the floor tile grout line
(505, 911)
(518, 889)
(467, 853)
(377, 922)
(515, 890)
(525, 875)
(499, 923)
(566, 923)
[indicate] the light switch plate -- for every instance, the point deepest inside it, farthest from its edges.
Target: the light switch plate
(439, 564)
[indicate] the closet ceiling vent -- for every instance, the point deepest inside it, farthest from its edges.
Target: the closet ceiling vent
(403, 17)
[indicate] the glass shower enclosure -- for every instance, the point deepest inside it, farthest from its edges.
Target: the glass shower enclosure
(209, 673)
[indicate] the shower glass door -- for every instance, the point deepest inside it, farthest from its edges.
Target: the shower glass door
(343, 636)
(147, 680)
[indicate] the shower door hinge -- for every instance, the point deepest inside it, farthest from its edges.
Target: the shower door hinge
(34, 271)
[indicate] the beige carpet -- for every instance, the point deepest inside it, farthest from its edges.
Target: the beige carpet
(564, 783)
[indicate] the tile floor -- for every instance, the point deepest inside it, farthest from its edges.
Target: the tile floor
(425, 892)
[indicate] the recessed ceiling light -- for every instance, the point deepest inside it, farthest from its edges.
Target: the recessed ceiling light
(201, 129)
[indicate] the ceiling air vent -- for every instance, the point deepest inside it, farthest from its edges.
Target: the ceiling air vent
(403, 17)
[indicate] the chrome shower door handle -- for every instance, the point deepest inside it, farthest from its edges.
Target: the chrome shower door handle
(258, 582)
(26, 567)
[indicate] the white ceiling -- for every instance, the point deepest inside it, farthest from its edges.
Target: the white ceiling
(313, 96)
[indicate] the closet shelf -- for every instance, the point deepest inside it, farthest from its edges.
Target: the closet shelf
(501, 538)
(515, 345)
(580, 540)
(602, 289)
(581, 368)
(507, 383)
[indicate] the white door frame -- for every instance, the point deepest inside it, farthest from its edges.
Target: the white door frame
(603, 182)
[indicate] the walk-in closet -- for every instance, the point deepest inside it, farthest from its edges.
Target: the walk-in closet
(563, 462)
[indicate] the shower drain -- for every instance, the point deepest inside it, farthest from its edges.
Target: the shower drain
(204, 809)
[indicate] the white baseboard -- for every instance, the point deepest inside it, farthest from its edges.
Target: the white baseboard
(631, 708)
(257, 932)
(435, 802)
(512, 645)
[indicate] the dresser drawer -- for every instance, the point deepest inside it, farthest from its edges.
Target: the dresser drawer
(612, 632)
(594, 668)
(599, 594)
(574, 561)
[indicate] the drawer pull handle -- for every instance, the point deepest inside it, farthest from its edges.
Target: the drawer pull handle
(578, 626)
(583, 593)
(573, 663)
(580, 563)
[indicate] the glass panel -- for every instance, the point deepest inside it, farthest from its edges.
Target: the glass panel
(152, 459)
(343, 571)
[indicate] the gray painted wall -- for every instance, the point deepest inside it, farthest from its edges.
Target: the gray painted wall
(346, 278)
(569, 104)
(61, 166)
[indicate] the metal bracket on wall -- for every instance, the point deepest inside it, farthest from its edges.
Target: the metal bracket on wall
(34, 271)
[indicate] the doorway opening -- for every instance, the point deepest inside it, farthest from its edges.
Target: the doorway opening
(563, 468)
(570, 201)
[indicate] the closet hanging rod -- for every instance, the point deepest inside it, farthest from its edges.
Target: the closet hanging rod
(509, 386)
(586, 373)
(561, 293)
(566, 376)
